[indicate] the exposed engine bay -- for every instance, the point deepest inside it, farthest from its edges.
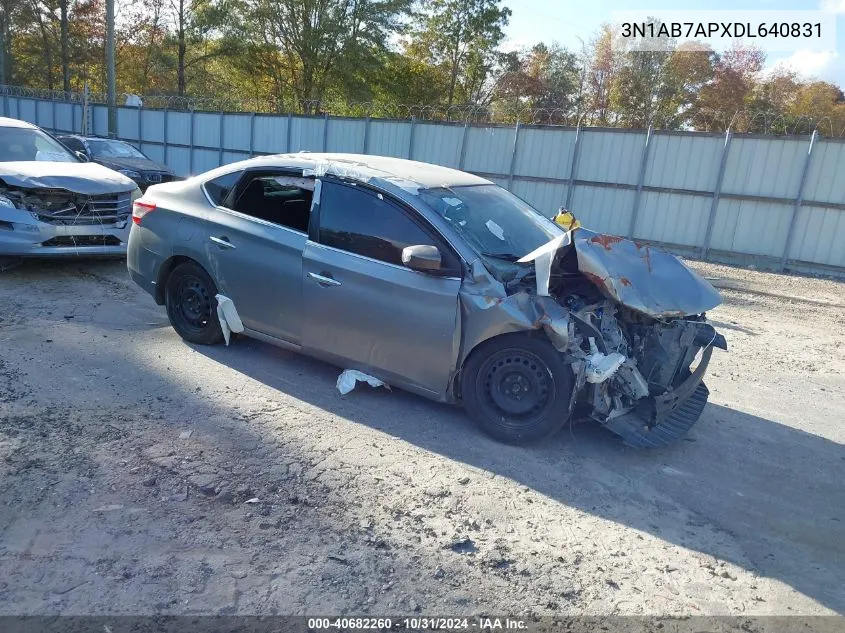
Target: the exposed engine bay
(631, 321)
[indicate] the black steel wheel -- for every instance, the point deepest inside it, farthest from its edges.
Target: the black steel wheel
(191, 304)
(517, 388)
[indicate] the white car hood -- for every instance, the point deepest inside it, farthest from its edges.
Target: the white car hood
(86, 178)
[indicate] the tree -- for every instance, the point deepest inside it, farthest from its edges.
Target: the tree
(734, 78)
(463, 37)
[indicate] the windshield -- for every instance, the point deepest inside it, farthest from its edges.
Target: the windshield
(492, 220)
(113, 149)
(21, 143)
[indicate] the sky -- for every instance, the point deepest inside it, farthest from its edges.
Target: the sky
(570, 22)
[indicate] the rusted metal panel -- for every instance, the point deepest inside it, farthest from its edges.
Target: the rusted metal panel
(683, 162)
(825, 180)
(489, 150)
(765, 167)
(672, 218)
(752, 227)
(389, 138)
(819, 236)
(439, 144)
(611, 156)
(544, 153)
(603, 209)
(345, 135)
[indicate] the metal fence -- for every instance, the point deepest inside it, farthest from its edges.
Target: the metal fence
(776, 202)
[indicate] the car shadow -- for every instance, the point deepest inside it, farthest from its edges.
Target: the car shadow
(775, 493)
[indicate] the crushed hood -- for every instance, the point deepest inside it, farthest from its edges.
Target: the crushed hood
(86, 178)
(642, 278)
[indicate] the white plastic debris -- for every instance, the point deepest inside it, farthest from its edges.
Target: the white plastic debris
(347, 379)
(228, 316)
(542, 258)
(600, 366)
(495, 229)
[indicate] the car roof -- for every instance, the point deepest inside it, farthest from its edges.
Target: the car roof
(7, 122)
(363, 167)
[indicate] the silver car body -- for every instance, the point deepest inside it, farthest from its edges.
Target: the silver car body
(56, 208)
(409, 328)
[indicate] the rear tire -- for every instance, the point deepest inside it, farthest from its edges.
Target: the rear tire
(189, 296)
(517, 388)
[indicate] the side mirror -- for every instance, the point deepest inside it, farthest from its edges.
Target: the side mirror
(82, 156)
(421, 257)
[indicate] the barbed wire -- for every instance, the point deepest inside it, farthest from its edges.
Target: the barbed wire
(741, 121)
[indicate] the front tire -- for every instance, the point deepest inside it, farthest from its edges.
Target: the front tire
(189, 296)
(517, 388)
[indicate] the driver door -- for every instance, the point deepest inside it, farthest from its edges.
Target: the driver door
(362, 308)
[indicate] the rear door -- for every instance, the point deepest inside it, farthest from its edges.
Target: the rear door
(362, 308)
(256, 236)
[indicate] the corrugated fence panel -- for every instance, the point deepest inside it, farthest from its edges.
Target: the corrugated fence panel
(489, 150)
(826, 180)
(44, 113)
(346, 135)
(179, 128)
(438, 143)
(27, 110)
(99, 120)
(672, 218)
(605, 209)
(546, 197)
(204, 160)
(179, 160)
(207, 130)
(233, 157)
(236, 131)
(127, 123)
(749, 226)
(271, 134)
(819, 236)
(610, 156)
(545, 153)
(684, 162)
(65, 117)
(152, 125)
(154, 151)
(389, 138)
(752, 162)
(306, 133)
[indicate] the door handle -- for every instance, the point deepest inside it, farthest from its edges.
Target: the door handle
(323, 280)
(222, 241)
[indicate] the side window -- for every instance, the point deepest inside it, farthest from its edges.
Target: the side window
(361, 222)
(276, 198)
(220, 187)
(74, 145)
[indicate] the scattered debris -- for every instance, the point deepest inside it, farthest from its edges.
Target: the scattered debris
(228, 316)
(464, 546)
(347, 379)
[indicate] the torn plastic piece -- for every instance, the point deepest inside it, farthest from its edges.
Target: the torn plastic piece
(347, 379)
(495, 229)
(542, 258)
(228, 316)
(600, 366)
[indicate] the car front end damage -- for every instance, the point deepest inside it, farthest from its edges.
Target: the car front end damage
(629, 320)
(64, 219)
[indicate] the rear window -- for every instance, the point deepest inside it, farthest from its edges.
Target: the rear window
(220, 187)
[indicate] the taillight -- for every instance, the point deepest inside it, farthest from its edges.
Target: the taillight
(141, 208)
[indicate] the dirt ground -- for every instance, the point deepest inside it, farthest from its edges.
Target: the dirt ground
(140, 475)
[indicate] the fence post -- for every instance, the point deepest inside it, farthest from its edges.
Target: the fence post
(641, 179)
(513, 155)
(799, 199)
(464, 146)
(717, 190)
(140, 125)
(366, 136)
(411, 138)
(191, 146)
(288, 133)
(5, 102)
(252, 134)
(573, 166)
(221, 139)
(53, 104)
(166, 117)
(325, 130)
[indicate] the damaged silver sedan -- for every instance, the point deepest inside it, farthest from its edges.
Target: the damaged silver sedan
(438, 282)
(53, 203)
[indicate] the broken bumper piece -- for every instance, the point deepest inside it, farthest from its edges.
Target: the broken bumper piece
(40, 239)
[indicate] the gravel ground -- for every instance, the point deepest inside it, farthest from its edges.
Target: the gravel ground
(139, 475)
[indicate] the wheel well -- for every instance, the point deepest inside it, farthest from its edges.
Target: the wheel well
(164, 272)
(456, 379)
